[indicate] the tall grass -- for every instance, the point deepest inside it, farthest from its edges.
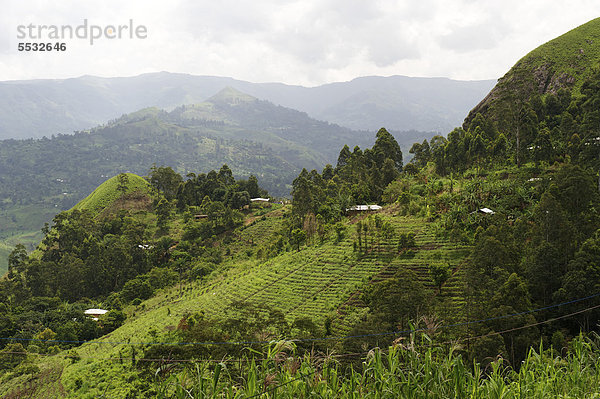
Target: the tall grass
(395, 373)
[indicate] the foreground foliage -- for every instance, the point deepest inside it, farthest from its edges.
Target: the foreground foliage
(401, 372)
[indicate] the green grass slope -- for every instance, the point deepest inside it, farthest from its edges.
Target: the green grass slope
(320, 281)
(564, 62)
(107, 193)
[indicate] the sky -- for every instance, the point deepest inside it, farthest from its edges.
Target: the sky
(306, 42)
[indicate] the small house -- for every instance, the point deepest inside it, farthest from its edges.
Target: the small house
(261, 202)
(95, 313)
(199, 217)
(356, 209)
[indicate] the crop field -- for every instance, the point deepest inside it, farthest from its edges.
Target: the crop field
(318, 281)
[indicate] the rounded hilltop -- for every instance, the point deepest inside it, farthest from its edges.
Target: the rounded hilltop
(123, 186)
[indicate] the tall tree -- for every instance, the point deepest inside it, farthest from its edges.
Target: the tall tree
(165, 180)
(385, 147)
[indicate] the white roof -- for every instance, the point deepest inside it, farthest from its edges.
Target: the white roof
(364, 208)
(95, 311)
(487, 210)
(259, 199)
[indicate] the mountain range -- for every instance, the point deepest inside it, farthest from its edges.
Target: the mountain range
(37, 108)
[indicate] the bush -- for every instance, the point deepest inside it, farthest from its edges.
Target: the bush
(160, 277)
(112, 320)
(201, 270)
(406, 240)
(26, 368)
(11, 356)
(136, 288)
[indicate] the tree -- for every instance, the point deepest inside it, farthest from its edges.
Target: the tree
(406, 240)
(513, 297)
(328, 172)
(388, 173)
(253, 188)
(542, 146)
(17, 261)
(239, 199)
(298, 238)
(397, 300)
(477, 149)
(454, 152)
(544, 272)
(136, 288)
(344, 157)
(302, 195)
(226, 176)
(112, 320)
(165, 180)
(359, 227)
(123, 180)
(439, 274)
(437, 145)
(163, 213)
(17, 266)
(385, 147)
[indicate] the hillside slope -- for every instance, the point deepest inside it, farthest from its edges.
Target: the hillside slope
(562, 63)
(39, 178)
(317, 282)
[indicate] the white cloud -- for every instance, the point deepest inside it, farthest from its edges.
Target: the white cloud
(299, 42)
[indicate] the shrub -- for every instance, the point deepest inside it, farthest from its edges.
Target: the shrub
(136, 288)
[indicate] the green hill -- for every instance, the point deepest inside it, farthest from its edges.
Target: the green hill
(110, 191)
(562, 63)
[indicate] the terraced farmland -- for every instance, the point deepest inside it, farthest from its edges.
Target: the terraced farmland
(317, 281)
(321, 279)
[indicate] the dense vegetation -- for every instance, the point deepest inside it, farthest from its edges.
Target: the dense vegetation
(432, 296)
(418, 371)
(114, 248)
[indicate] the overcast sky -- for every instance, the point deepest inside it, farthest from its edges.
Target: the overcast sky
(297, 42)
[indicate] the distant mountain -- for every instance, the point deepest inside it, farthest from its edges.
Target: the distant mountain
(250, 135)
(37, 108)
(565, 62)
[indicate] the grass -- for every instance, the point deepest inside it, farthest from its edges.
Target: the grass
(107, 193)
(575, 53)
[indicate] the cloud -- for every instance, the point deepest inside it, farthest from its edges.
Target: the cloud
(296, 41)
(464, 39)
